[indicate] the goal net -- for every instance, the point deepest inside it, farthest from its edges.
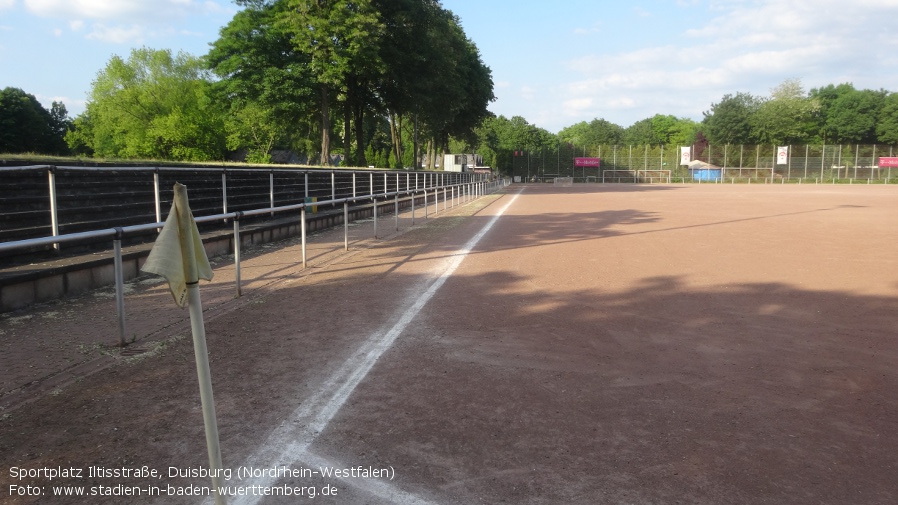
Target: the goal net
(652, 176)
(563, 181)
(618, 176)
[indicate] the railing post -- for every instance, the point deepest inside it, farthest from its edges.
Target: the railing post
(237, 253)
(396, 203)
(375, 217)
(425, 203)
(353, 184)
(413, 208)
(303, 234)
(346, 222)
(271, 190)
(54, 211)
(333, 186)
(157, 195)
(119, 286)
(224, 192)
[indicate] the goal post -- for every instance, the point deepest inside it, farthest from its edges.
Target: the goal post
(652, 176)
(563, 181)
(618, 176)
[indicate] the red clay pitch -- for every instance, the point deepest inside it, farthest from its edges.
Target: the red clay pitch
(600, 344)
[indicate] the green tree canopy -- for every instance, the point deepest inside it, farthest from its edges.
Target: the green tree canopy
(787, 117)
(265, 81)
(887, 126)
(26, 126)
(729, 120)
(153, 105)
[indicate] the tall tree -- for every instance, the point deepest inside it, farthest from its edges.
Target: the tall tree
(341, 38)
(265, 80)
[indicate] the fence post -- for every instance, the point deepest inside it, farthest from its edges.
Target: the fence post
(224, 192)
(54, 210)
(346, 223)
(396, 203)
(271, 189)
(237, 253)
(333, 186)
(119, 286)
(156, 194)
(375, 216)
(303, 234)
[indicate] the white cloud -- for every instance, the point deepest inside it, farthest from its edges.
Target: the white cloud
(7, 4)
(119, 10)
(117, 34)
(748, 46)
(126, 21)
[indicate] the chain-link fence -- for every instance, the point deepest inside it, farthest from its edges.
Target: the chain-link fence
(727, 163)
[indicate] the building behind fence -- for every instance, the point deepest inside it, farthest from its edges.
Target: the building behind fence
(737, 163)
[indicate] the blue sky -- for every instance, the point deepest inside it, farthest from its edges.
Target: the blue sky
(553, 63)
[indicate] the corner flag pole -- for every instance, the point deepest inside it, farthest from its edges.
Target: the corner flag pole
(174, 256)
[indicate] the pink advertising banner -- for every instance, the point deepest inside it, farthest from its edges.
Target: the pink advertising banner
(587, 162)
(888, 162)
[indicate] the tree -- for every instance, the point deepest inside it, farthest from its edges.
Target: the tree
(26, 126)
(729, 121)
(887, 125)
(786, 117)
(640, 132)
(341, 39)
(851, 118)
(596, 132)
(265, 80)
(154, 105)
(459, 85)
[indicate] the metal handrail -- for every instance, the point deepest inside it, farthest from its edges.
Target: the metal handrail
(471, 190)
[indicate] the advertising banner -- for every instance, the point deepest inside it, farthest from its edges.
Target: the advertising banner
(782, 155)
(685, 155)
(888, 162)
(587, 162)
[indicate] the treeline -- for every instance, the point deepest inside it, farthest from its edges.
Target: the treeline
(365, 79)
(27, 127)
(833, 114)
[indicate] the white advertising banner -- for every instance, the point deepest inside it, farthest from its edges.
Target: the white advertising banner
(782, 155)
(685, 155)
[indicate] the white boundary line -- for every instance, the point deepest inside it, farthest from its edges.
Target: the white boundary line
(289, 442)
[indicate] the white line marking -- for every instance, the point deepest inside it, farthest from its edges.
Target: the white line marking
(290, 441)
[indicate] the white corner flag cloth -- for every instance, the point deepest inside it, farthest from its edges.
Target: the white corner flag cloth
(178, 250)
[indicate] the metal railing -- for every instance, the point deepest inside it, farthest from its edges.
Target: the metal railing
(76, 202)
(454, 194)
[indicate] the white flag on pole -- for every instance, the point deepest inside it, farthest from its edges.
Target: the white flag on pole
(685, 155)
(782, 155)
(168, 259)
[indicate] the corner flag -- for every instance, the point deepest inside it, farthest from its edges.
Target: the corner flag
(179, 256)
